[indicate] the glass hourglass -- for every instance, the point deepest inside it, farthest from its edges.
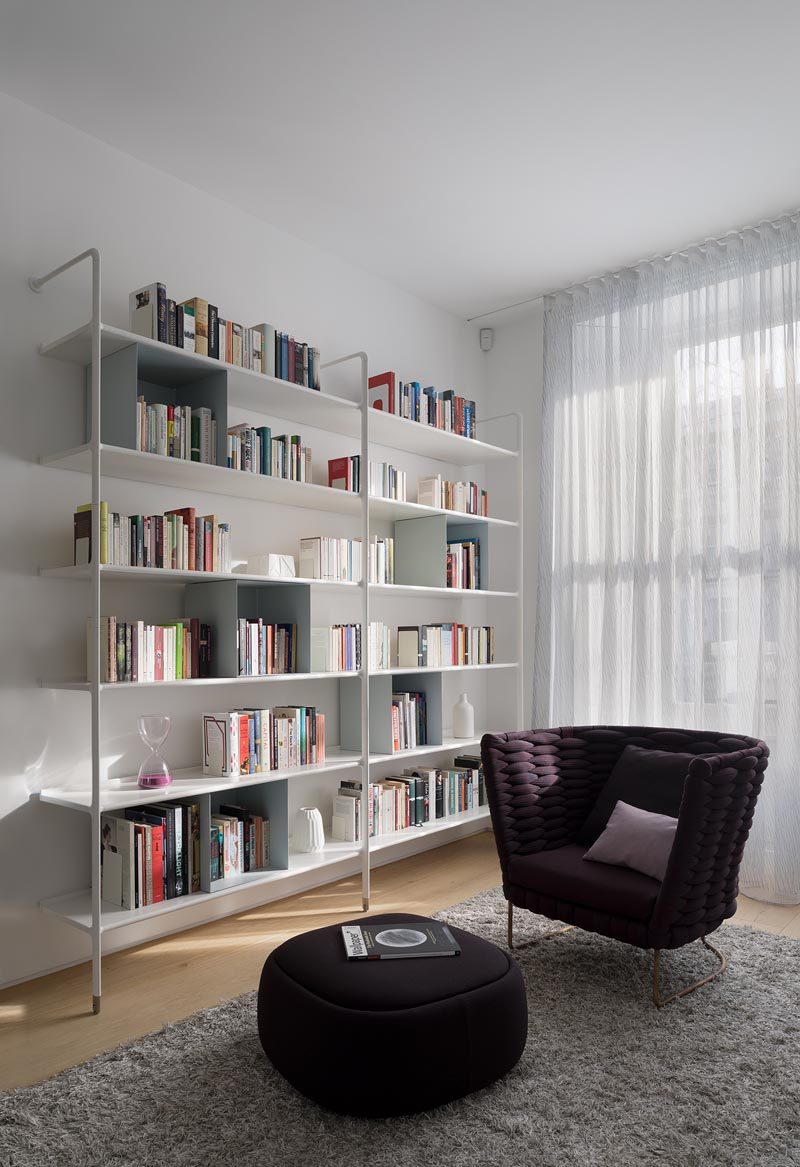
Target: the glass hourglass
(154, 771)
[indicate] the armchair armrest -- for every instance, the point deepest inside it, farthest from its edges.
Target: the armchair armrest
(540, 787)
(702, 878)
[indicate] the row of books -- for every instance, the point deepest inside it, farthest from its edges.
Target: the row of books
(150, 854)
(326, 557)
(464, 497)
(239, 842)
(266, 648)
(385, 480)
(255, 741)
(255, 450)
(464, 564)
(409, 721)
(178, 539)
(411, 799)
(133, 651)
(337, 648)
(196, 326)
(443, 645)
(176, 431)
(442, 410)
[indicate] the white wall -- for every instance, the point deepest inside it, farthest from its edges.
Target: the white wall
(515, 383)
(60, 192)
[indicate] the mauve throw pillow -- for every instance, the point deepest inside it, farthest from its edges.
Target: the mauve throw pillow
(650, 779)
(636, 838)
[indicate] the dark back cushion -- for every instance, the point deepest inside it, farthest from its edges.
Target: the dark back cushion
(650, 779)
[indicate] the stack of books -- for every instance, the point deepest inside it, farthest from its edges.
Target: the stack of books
(465, 497)
(442, 410)
(385, 480)
(254, 449)
(176, 431)
(266, 648)
(178, 539)
(411, 799)
(337, 648)
(464, 564)
(255, 741)
(132, 652)
(150, 854)
(196, 326)
(409, 721)
(326, 557)
(442, 645)
(239, 842)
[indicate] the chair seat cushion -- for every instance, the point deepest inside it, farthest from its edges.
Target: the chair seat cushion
(564, 874)
(390, 1037)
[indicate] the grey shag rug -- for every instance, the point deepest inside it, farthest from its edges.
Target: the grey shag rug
(606, 1079)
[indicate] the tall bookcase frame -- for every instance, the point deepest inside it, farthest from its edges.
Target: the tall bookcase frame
(417, 439)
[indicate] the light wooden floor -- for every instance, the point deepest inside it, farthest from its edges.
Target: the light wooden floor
(46, 1024)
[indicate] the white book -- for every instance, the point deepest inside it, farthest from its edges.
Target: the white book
(143, 310)
(118, 858)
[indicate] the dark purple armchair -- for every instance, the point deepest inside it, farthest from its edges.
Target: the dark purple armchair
(541, 786)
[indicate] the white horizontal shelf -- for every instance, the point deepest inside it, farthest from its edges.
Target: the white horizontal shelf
(510, 664)
(259, 393)
(168, 575)
(438, 827)
(76, 907)
(119, 793)
(390, 508)
(136, 466)
(448, 745)
(168, 365)
(441, 593)
(81, 685)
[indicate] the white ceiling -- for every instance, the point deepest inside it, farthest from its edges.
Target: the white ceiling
(476, 152)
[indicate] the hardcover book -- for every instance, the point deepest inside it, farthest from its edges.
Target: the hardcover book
(398, 941)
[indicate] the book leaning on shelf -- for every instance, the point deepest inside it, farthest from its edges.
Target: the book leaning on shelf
(196, 326)
(465, 497)
(266, 648)
(411, 799)
(134, 651)
(239, 842)
(385, 480)
(150, 854)
(176, 431)
(329, 558)
(255, 450)
(337, 648)
(255, 741)
(464, 564)
(441, 410)
(178, 539)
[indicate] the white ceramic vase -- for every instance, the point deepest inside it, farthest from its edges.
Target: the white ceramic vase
(309, 834)
(463, 718)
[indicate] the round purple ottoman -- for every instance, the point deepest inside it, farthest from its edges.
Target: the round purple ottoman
(390, 1037)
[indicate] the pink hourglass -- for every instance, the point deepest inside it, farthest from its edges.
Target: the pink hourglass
(154, 771)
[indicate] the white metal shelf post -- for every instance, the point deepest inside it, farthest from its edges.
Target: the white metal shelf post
(36, 283)
(365, 655)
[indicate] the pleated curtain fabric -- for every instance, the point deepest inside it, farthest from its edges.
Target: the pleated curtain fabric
(669, 586)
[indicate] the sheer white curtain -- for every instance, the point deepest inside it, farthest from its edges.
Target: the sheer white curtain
(670, 512)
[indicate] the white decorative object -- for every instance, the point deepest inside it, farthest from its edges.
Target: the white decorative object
(463, 718)
(273, 564)
(309, 835)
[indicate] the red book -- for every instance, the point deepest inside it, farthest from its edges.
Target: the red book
(188, 514)
(244, 743)
(157, 863)
(159, 661)
(382, 392)
(339, 473)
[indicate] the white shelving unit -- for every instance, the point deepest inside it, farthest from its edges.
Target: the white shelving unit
(378, 435)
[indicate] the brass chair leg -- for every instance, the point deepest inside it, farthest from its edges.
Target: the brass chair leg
(535, 939)
(660, 1001)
